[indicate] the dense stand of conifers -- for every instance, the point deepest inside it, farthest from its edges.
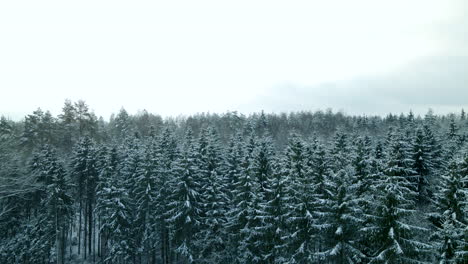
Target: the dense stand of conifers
(303, 187)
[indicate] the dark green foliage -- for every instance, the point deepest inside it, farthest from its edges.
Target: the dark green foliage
(231, 188)
(450, 220)
(339, 225)
(301, 231)
(394, 239)
(186, 205)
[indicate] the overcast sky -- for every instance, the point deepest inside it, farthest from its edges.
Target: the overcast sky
(182, 57)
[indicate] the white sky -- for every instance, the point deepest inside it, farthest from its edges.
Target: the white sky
(181, 57)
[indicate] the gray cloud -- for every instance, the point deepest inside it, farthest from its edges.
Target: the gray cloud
(439, 82)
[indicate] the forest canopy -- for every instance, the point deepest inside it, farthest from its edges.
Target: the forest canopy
(299, 187)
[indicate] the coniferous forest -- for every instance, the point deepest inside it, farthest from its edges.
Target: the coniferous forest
(300, 187)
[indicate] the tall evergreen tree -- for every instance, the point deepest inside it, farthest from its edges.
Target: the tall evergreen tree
(243, 205)
(451, 217)
(362, 164)
(302, 235)
(423, 166)
(167, 154)
(273, 231)
(84, 173)
(213, 197)
(105, 192)
(393, 237)
(185, 205)
(341, 223)
(145, 196)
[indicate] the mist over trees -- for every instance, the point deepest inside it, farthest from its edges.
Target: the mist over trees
(300, 187)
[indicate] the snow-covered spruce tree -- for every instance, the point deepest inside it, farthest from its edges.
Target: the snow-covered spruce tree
(262, 165)
(213, 199)
(378, 153)
(451, 217)
(341, 223)
(302, 236)
(105, 192)
(362, 164)
(234, 170)
(32, 135)
(233, 166)
(68, 126)
(132, 171)
(320, 172)
(242, 209)
(16, 199)
(121, 125)
(340, 151)
(44, 235)
(453, 143)
(463, 169)
(367, 165)
(84, 174)
(423, 166)
(59, 203)
(167, 153)
(145, 193)
(435, 150)
(274, 213)
(119, 222)
(185, 204)
(393, 238)
(256, 238)
(452, 132)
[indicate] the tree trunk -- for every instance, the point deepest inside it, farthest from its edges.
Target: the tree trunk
(71, 238)
(99, 236)
(94, 241)
(90, 227)
(58, 233)
(85, 240)
(79, 231)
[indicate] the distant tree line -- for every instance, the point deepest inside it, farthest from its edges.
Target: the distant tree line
(303, 187)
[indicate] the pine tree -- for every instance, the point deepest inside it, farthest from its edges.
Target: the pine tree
(394, 239)
(86, 121)
(243, 206)
(133, 169)
(185, 205)
(84, 173)
(423, 166)
(451, 217)
(68, 126)
(320, 191)
(212, 196)
(301, 220)
(48, 228)
(145, 195)
(340, 151)
(119, 223)
(261, 170)
(39, 129)
(105, 192)
(434, 149)
(340, 224)
(274, 213)
(167, 154)
(121, 124)
(233, 165)
(362, 164)
(59, 203)
(234, 171)
(262, 164)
